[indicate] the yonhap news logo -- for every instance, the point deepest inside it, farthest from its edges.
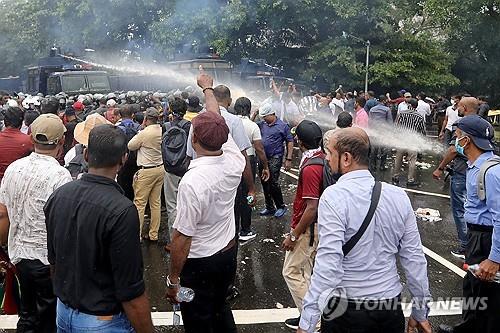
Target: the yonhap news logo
(333, 303)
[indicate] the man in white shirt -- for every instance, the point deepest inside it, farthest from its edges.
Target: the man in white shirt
(25, 188)
(423, 108)
(403, 106)
(242, 210)
(203, 251)
(450, 118)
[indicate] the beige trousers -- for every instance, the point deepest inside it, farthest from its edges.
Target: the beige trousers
(412, 164)
(298, 266)
(147, 187)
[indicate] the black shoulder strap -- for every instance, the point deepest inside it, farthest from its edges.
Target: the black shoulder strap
(312, 161)
(351, 243)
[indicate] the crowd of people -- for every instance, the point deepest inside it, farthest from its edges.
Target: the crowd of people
(79, 172)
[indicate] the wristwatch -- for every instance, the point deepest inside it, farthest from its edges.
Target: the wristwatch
(292, 237)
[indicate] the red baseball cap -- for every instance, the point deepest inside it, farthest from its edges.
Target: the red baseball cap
(211, 130)
(78, 106)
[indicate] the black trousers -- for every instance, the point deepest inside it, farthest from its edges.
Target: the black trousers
(38, 303)
(125, 178)
(363, 320)
(210, 278)
(272, 190)
(242, 211)
(480, 320)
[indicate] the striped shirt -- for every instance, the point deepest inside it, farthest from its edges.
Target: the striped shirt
(410, 120)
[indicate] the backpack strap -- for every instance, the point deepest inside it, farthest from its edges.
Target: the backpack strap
(481, 178)
(312, 161)
(351, 243)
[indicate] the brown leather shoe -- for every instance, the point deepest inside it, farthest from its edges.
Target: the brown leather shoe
(167, 248)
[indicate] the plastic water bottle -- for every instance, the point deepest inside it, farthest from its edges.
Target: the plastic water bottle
(185, 294)
(473, 269)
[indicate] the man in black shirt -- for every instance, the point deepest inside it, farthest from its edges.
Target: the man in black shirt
(93, 246)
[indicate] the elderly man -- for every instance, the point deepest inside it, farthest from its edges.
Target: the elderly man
(25, 188)
(203, 250)
(356, 260)
(482, 214)
(149, 179)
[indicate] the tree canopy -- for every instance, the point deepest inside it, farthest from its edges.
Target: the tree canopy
(437, 46)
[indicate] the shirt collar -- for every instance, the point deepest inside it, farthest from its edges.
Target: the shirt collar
(308, 154)
(87, 177)
(44, 157)
(355, 174)
(480, 160)
(206, 160)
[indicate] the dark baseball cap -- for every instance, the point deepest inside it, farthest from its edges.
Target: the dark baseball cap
(309, 132)
(479, 130)
(211, 130)
(194, 104)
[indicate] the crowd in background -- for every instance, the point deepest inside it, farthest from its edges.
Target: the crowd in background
(96, 162)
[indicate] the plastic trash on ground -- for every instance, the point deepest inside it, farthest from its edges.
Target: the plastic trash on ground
(428, 214)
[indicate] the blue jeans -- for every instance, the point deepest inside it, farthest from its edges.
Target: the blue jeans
(458, 193)
(70, 320)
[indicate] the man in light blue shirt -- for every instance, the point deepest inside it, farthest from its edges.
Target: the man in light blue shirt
(366, 281)
(474, 139)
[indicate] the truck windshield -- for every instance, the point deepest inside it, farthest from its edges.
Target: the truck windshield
(73, 83)
(98, 83)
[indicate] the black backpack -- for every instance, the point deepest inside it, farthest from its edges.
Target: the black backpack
(328, 177)
(174, 147)
(78, 164)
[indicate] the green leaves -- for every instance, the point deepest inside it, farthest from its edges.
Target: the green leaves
(429, 45)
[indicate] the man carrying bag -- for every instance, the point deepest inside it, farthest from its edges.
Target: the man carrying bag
(363, 225)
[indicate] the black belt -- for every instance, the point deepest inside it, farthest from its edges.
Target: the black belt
(480, 228)
(361, 304)
(150, 167)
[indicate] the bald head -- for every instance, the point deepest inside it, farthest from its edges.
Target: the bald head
(352, 140)
(222, 95)
(468, 106)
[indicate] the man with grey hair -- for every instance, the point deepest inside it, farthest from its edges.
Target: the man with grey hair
(356, 259)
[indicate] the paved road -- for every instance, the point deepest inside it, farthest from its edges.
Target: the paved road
(260, 260)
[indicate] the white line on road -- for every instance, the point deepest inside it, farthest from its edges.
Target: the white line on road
(267, 316)
(405, 189)
(427, 251)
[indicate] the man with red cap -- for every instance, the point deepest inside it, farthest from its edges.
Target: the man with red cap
(203, 250)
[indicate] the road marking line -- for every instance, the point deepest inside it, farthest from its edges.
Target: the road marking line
(405, 189)
(426, 193)
(267, 316)
(454, 268)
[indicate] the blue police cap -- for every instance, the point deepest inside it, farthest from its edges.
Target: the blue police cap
(479, 130)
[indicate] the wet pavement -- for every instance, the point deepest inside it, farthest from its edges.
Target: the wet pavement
(260, 260)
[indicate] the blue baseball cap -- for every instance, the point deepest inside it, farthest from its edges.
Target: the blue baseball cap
(479, 130)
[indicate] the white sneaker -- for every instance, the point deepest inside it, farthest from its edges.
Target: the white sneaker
(247, 236)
